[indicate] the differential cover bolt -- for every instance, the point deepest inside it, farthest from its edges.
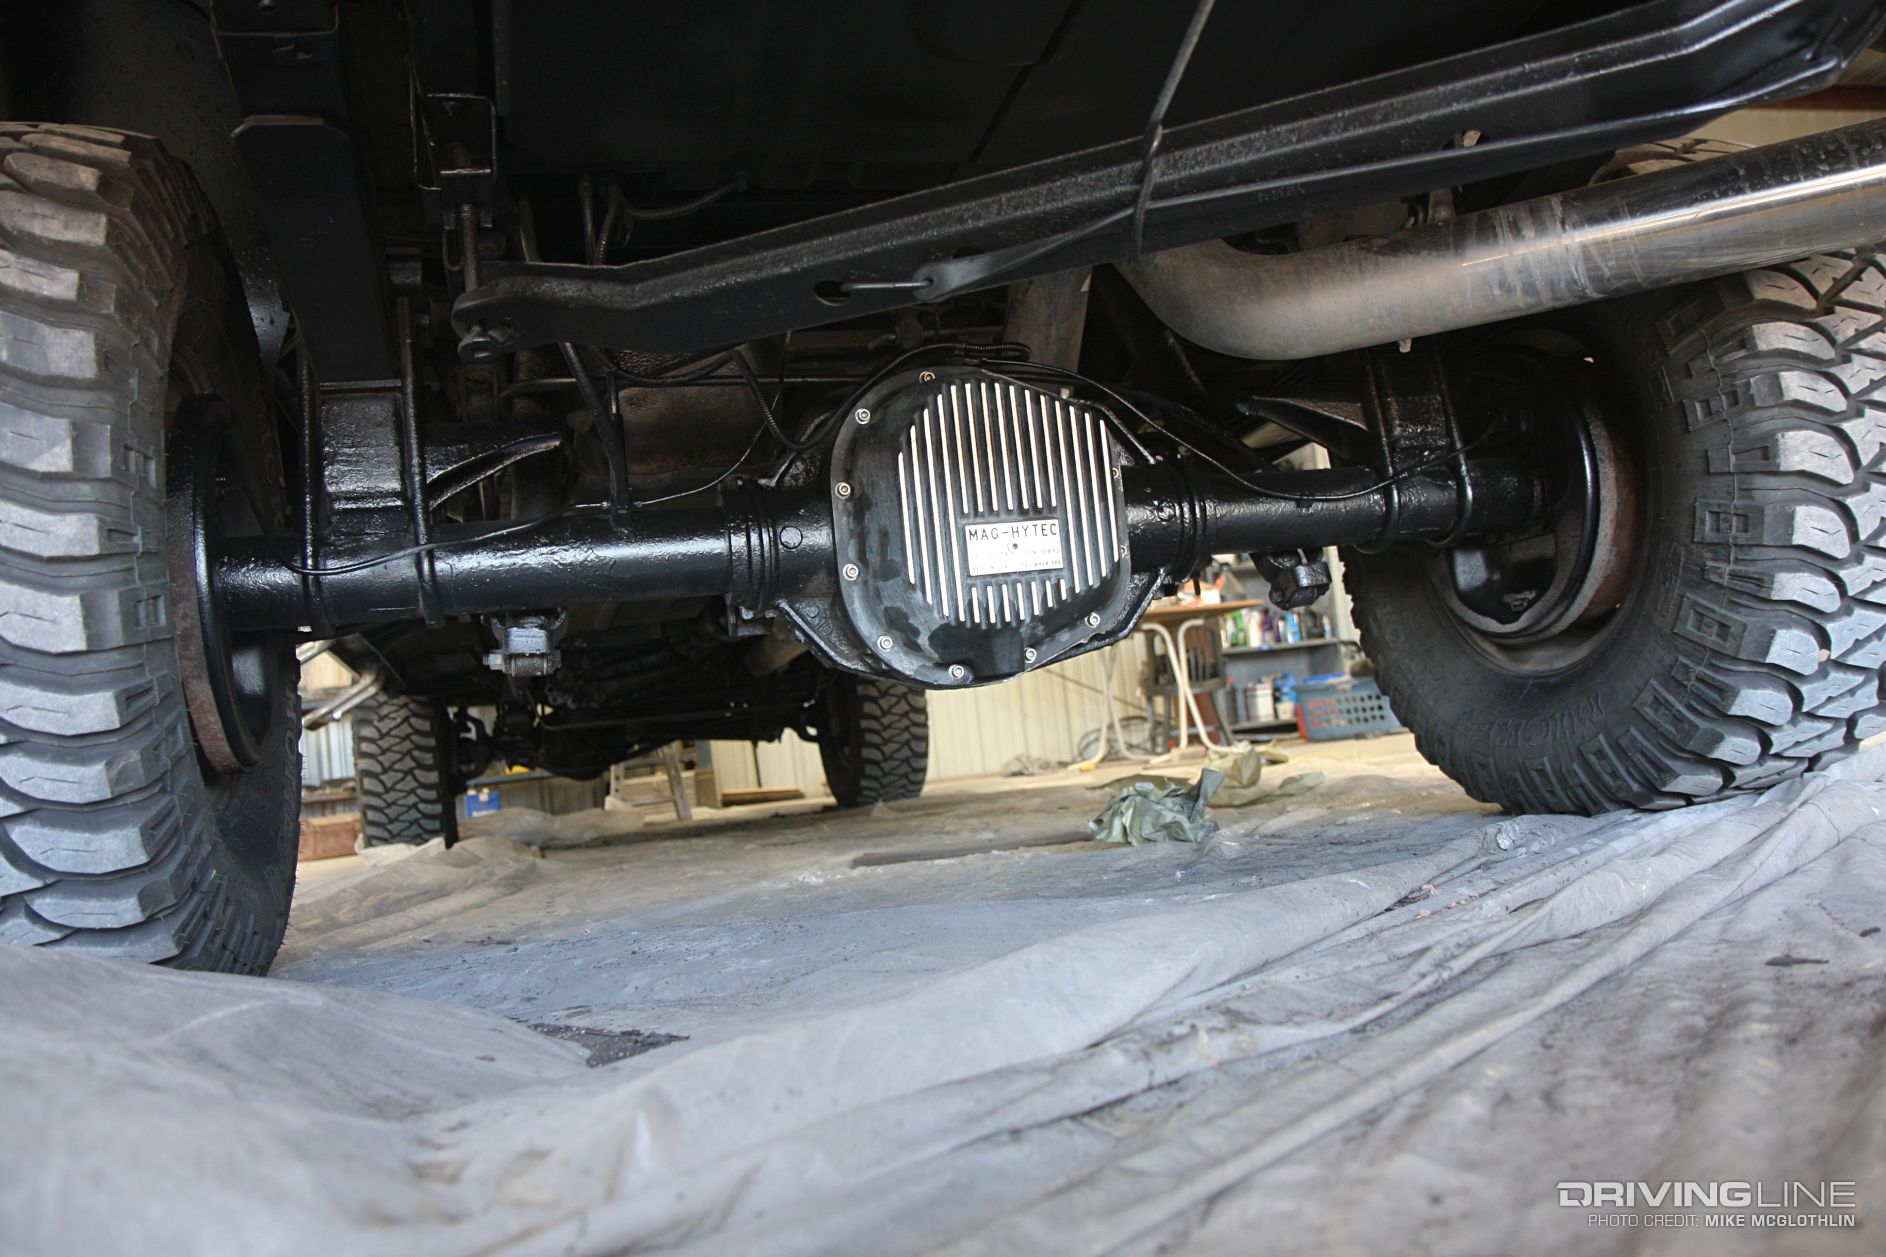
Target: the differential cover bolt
(843, 490)
(958, 672)
(863, 415)
(885, 642)
(851, 571)
(1028, 655)
(1093, 619)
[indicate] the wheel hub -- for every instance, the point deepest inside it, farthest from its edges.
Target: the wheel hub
(1576, 568)
(232, 685)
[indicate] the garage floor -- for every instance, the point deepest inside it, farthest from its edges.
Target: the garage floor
(1376, 1015)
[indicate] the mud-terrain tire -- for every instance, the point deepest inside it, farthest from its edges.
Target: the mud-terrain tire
(403, 768)
(116, 299)
(1748, 645)
(874, 741)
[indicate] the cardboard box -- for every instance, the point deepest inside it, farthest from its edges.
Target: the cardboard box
(323, 837)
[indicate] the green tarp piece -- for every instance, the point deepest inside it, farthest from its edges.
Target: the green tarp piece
(1243, 767)
(1242, 770)
(1158, 811)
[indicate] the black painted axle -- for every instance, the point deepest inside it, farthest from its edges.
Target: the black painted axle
(752, 546)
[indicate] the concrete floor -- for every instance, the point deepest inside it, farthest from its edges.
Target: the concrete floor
(635, 930)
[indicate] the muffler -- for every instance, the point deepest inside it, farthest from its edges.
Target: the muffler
(1717, 217)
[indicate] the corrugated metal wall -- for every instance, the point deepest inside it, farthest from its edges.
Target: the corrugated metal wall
(327, 754)
(1042, 714)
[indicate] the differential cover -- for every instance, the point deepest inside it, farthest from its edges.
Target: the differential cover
(979, 525)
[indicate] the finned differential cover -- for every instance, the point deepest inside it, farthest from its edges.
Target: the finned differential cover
(985, 520)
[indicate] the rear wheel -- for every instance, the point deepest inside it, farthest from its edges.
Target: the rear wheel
(122, 327)
(402, 763)
(1713, 617)
(874, 739)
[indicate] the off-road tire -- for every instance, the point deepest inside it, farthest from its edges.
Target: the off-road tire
(403, 767)
(1748, 647)
(875, 742)
(114, 838)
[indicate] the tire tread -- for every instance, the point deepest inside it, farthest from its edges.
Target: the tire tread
(401, 765)
(888, 743)
(109, 842)
(1780, 633)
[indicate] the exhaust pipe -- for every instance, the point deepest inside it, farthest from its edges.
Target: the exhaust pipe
(1717, 217)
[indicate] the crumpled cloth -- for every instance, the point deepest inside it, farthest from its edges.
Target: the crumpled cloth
(1159, 811)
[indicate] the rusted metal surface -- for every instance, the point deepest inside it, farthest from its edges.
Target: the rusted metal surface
(1620, 524)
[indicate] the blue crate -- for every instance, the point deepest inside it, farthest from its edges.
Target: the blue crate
(1350, 707)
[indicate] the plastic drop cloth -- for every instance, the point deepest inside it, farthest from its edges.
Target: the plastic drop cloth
(1373, 1017)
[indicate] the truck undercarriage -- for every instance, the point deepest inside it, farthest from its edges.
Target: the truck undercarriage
(627, 375)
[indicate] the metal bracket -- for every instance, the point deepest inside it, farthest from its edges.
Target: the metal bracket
(1295, 579)
(1412, 415)
(366, 487)
(527, 643)
(285, 63)
(458, 132)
